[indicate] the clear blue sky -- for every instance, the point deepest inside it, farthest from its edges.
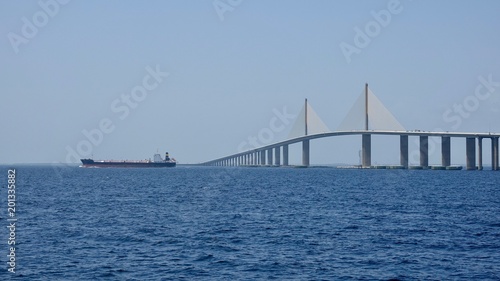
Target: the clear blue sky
(229, 70)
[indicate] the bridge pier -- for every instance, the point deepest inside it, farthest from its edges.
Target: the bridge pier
(270, 157)
(262, 159)
(479, 153)
(403, 150)
(494, 154)
(470, 144)
(305, 153)
(366, 150)
(424, 151)
(446, 151)
(285, 155)
(277, 156)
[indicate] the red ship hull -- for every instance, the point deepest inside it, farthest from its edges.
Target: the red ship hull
(89, 163)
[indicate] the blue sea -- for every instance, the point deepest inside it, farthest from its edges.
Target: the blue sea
(216, 223)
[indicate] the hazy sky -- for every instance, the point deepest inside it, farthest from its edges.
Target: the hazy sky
(122, 79)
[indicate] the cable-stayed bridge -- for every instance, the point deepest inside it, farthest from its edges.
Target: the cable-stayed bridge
(367, 117)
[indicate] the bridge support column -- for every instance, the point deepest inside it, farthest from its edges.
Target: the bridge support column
(446, 151)
(366, 150)
(277, 156)
(403, 148)
(270, 157)
(305, 153)
(494, 154)
(424, 151)
(262, 157)
(470, 145)
(479, 153)
(285, 155)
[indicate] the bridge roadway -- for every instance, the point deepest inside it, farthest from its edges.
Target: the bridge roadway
(257, 156)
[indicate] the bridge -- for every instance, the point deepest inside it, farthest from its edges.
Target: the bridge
(309, 127)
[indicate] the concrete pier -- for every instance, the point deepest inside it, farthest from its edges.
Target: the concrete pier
(305, 153)
(285, 155)
(470, 146)
(445, 151)
(270, 156)
(494, 154)
(479, 153)
(262, 158)
(277, 156)
(403, 148)
(424, 151)
(366, 150)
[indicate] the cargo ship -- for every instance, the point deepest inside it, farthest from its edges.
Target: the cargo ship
(157, 162)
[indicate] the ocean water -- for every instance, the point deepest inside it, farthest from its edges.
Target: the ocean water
(211, 223)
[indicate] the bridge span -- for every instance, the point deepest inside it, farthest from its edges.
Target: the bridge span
(276, 154)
